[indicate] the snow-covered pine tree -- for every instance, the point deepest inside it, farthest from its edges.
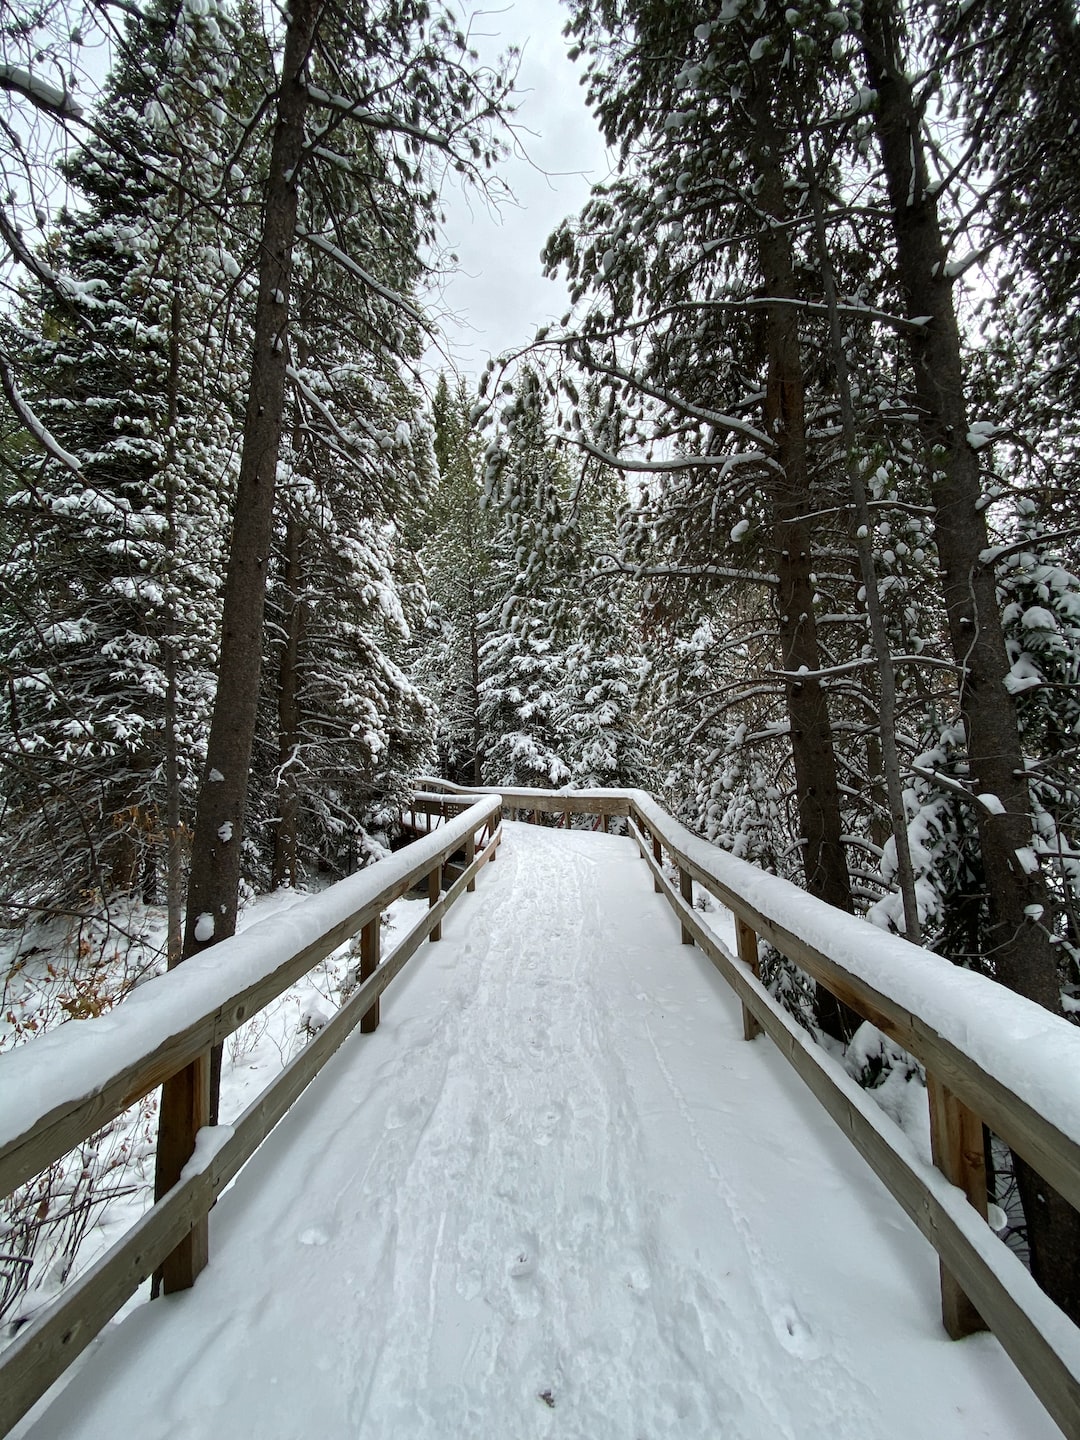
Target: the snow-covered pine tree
(522, 652)
(402, 76)
(456, 557)
(111, 575)
(605, 665)
(356, 465)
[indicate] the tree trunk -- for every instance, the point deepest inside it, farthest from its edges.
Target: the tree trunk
(219, 823)
(818, 791)
(174, 840)
(285, 868)
(474, 689)
(862, 527)
(1017, 947)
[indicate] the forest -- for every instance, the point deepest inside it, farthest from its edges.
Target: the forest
(776, 523)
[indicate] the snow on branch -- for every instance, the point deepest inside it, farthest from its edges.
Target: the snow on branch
(347, 263)
(38, 267)
(41, 434)
(990, 803)
(324, 410)
(676, 403)
(871, 662)
(683, 572)
(723, 463)
(996, 553)
(46, 96)
(354, 110)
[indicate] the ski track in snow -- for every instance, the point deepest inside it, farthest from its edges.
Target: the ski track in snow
(556, 1194)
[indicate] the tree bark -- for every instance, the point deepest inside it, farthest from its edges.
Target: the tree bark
(817, 787)
(1017, 947)
(285, 865)
(863, 529)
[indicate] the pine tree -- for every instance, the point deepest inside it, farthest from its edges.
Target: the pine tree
(522, 655)
(356, 463)
(111, 580)
(456, 556)
(605, 666)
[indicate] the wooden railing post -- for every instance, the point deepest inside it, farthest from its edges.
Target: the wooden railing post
(686, 890)
(658, 856)
(370, 943)
(747, 943)
(434, 891)
(568, 819)
(470, 856)
(604, 821)
(956, 1143)
(185, 1109)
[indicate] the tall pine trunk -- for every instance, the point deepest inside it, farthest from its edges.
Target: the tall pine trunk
(1018, 948)
(219, 825)
(286, 864)
(816, 783)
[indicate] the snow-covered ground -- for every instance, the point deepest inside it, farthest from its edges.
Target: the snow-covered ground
(556, 1194)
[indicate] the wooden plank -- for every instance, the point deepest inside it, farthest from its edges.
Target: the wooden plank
(184, 1110)
(370, 946)
(686, 890)
(747, 944)
(434, 890)
(1055, 1155)
(470, 855)
(1003, 1292)
(68, 1125)
(956, 1143)
(43, 1349)
(658, 855)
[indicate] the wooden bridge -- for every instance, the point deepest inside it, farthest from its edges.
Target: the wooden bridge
(989, 1057)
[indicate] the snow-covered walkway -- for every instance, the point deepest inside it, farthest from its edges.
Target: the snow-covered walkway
(556, 1194)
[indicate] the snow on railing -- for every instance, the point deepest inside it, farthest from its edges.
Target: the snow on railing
(990, 1056)
(58, 1089)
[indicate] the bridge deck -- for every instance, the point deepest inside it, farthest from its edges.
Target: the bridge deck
(556, 1194)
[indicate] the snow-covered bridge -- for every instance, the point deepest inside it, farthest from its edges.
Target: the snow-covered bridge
(556, 1193)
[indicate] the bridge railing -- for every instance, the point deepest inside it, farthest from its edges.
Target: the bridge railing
(990, 1057)
(58, 1089)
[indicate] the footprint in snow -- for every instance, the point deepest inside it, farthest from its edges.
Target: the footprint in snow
(398, 1116)
(522, 1265)
(792, 1331)
(546, 1125)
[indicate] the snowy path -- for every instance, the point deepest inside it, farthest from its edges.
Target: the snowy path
(556, 1195)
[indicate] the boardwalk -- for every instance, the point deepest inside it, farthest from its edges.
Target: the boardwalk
(556, 1194)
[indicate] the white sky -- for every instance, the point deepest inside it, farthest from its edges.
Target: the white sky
(500, 296)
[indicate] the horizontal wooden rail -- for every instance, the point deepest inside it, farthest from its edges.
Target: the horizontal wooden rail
(545, 802)
(44, 1348)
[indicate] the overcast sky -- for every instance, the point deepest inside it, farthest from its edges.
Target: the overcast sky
(500, 295)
